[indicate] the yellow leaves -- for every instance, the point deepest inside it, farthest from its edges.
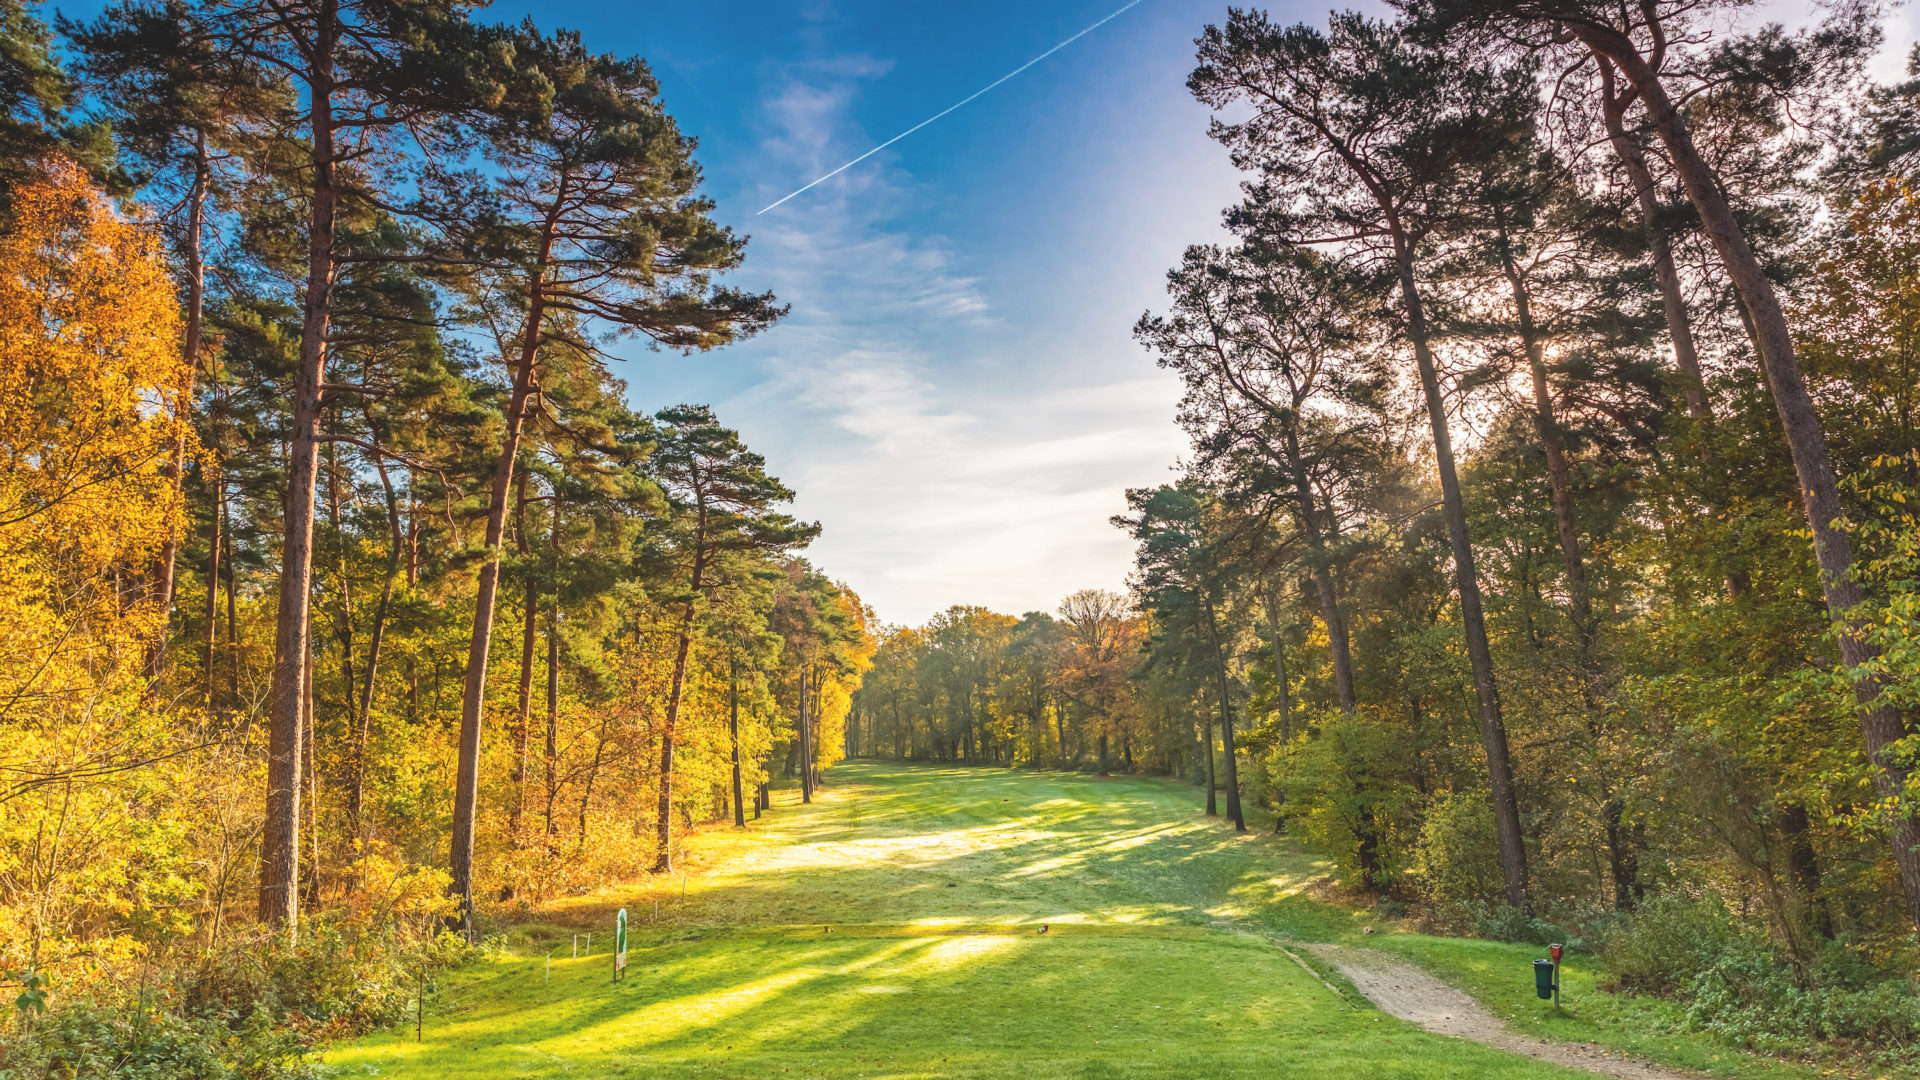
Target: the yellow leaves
(91, 378)
(90, 373)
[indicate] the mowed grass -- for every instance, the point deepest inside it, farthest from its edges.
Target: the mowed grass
(1159, 960)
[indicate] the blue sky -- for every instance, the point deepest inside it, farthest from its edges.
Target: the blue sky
(956, 395)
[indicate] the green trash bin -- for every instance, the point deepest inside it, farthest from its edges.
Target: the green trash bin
(1543, 979)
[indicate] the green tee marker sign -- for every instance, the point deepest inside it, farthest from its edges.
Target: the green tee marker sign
(620, 945)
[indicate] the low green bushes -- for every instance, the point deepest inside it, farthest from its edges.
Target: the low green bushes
(1734, 982)
(248, 1010)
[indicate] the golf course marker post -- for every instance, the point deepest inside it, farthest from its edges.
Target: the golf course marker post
(1556, 950)
(620, 945)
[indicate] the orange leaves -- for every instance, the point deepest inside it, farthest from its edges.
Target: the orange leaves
(90, 370)
(89, 367)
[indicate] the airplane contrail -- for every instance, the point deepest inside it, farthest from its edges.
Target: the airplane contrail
(1122, 10)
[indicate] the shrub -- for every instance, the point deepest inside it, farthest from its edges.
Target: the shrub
(1735, 983)
(249, 1010)
(1349, 792)
(1666, 943)
(83, 1041)
(1458, 858)
(1499, 922)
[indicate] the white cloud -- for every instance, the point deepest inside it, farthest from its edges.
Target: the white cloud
(962, 432)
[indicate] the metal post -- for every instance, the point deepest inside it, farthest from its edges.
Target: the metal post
(1556, 950)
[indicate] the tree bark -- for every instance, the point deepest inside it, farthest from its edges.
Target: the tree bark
(553, 715)
(1213, 786)
(1553, 445)
(176, 467)
(1280, 669)
(1286, 705)
(1880, 724)
(212, 612)
(1493, 731)
(343, 632)
(733, 732)
(663, 861)
(356, 794)
(233, 614)
(806, 736)
(472, 701)
(1226, 722)
(1337, 643)
(279, 896)
(1633, 157)
(307, 754)
(529, 634)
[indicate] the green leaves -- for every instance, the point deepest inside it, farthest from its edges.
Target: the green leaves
(35, 987)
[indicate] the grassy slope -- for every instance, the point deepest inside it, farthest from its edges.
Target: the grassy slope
(935, 882)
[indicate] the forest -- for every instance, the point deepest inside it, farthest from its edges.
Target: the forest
(344, 592)
(1545, 554)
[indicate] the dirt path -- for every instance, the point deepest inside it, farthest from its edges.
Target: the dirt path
(1408, 992)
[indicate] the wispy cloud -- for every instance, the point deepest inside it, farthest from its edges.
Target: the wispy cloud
(953, 457)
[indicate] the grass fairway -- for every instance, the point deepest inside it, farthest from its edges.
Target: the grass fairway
(936, 882)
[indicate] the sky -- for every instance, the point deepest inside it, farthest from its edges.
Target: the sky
(956, 395)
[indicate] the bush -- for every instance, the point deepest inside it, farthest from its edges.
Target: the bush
(1458, 858)
(1666, 943)
(84, 1041)
(1499, 922)
(1350, 793)
(249, 1010)
(1735, 983)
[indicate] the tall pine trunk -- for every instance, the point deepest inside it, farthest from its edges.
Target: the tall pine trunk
(1317, 563)
(356, 793)
(1226, 722)
(1493, 730)
(806, 736)
(1286, 705)
(279, 895)
(176, 467)
(552, 776)
(663, 862)
(1622, 856)
(1633, 157)
(473, 696)
(211, 643)
(1880, 722)
(529, 635)
(1553, 445)
(733, 733)
(1213, 786)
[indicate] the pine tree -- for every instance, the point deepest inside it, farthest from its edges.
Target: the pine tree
(1366, 140)
(721, 512)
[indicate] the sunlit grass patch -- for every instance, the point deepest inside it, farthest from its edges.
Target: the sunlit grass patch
(903, 940)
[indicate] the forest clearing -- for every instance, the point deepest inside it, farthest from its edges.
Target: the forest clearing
(1160, 958)
(1189, 539)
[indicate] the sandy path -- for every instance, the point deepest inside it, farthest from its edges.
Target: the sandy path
(1408, 992)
